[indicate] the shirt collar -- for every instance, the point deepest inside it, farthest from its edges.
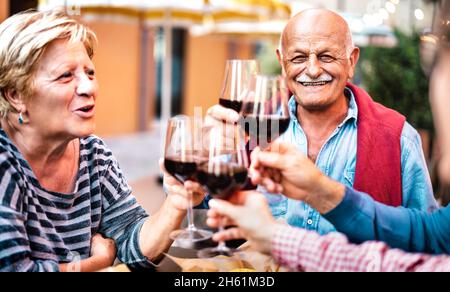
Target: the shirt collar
(352, 113)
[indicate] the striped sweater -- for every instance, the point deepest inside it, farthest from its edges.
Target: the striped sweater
(40, 229)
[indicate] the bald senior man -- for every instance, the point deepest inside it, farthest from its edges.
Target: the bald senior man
(352, 139)
(349, 137)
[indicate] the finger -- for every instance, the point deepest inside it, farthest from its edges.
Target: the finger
(97, 237)
(225, 208)
(221, 113)
(214, 219)
(171, 181)
(216, 222)
(180, 191)
(269, 185)
(212, 214)
(272, 160)
(213, 222)
(229, 234)
(241, 198)
(255, 176)
(254, 157)
(280, 147)
(168, 178)
(180, 203)
(279, 189)
(161, 165)
(274, 175)
(193, 187)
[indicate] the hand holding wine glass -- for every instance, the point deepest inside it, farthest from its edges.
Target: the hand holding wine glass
(179, 193)
(238, 77)
(181, 158)
(224, 172)
(265, 113)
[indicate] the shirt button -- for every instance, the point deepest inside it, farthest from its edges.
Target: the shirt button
(310, 222)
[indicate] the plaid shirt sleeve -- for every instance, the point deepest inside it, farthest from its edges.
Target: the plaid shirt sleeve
(302, 250)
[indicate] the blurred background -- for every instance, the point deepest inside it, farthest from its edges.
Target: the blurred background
(159, 58)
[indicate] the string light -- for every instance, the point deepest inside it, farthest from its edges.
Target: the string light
(384, 14)
(390, 7)
(419, 14)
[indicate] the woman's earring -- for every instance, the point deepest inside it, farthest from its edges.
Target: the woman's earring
(20, 119)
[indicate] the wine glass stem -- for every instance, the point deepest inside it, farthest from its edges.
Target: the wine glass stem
(190, 214)
(222, 245)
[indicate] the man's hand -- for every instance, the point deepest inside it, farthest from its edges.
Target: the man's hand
(179, 193)
(250, 213)
(283, 169)
(221, 114)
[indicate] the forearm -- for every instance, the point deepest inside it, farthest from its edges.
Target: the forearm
(92, 264)
(325, 195)
(154, 238)
(307, 251)
(362, 219)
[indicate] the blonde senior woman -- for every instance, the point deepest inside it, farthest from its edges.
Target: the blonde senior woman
(63, 197)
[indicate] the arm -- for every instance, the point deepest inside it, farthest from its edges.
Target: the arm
(302, 250)
(140, 239)
(103, 254)
(354, 214)
(85, 266)
(362, 219)
(15, 253)
(155, 235)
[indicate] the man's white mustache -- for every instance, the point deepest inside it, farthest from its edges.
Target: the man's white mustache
(322, 78)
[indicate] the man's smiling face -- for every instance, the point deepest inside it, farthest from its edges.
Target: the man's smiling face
(318, 58)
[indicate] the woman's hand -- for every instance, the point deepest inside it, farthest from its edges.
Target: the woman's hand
(103, 250)
(250, 213)
(103, 255)
(283, 169)
(179, 193)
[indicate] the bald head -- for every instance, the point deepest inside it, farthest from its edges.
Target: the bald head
(318, 23)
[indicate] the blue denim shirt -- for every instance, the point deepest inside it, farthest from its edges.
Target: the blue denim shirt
(337, 159)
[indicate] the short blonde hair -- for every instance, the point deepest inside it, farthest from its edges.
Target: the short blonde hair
(23, 40)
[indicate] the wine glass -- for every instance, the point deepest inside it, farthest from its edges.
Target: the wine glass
(265, 112)
(180, 160)
(224, 173)
(238, 76)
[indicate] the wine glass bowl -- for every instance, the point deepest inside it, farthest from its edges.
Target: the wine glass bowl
(265, 111)
(238, 76)
(181, 160)
(224, 172)
(223, 179)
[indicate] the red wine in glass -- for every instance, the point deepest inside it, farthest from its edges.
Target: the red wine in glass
(181, 170)
(265, 113)
(264, 129)
(180, 162)
(237, 81)
(223, 180)
(231, 104)
(224, 173)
